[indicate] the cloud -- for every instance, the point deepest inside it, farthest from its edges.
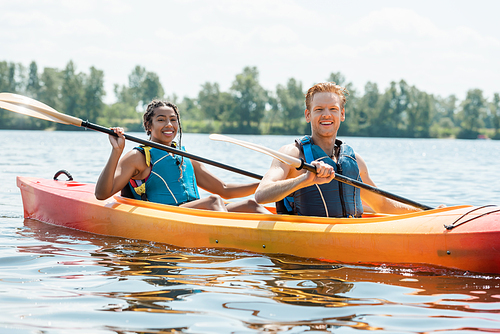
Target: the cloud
(404, 41)
(33, 22)
(111, 7)
(416, 31)
(256, 10)
(18, 19)
(276, 34)
(217, 36)
(84, 27)
(187, 42)
(463, 35)
(394, 20)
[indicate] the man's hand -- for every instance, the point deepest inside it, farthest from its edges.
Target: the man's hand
(324, 173)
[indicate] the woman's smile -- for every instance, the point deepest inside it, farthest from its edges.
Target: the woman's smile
(164, 125)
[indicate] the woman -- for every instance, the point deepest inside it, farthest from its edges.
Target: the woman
(159, 176)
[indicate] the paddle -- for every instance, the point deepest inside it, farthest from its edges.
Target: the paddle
(300, 163)
(30, 107)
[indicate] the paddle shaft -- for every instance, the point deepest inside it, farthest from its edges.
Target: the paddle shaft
(103, 129)
(355, 183)
(30, 107)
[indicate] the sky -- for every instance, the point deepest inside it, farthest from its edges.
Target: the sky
(442, 47)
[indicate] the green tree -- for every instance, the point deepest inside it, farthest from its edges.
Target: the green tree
(368, 108)
(209, 101)
(273, 115)
(189, 109)
(250, 99)
(495, 113)
(8, 81)
(451, 108)
(12, 78)
(446, 108)
(418, 112)
(387, 118)
(72, 93)
(135, 80)
(402, 103)
(227, 106)
(290, 105)
(94, 94)
(392, 118)
(354, 112)
(354, 115)
(132, 94)
(121, 114)
(338, 78)
(4, 76)
(142, 87)
(122, 95)
(151, 88)
(33, 87)
(488, 115)
(50, 90)
(5, 116)
(472, 113)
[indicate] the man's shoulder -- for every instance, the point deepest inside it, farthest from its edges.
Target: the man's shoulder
(292, 149)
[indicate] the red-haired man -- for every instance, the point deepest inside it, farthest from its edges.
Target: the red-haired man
(309, 194)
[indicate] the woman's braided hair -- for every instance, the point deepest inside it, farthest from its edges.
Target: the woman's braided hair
(148, 121)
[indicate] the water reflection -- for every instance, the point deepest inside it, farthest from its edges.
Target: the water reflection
(55, 280)
(261, 293)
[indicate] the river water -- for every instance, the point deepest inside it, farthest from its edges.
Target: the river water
(55, 280)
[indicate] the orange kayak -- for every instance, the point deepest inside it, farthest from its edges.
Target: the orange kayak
(460, 237)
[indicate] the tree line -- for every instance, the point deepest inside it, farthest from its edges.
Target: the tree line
(400, 110)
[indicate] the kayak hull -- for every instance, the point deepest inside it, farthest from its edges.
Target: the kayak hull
(410, 239)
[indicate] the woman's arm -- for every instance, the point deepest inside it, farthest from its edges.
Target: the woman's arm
(211, 183)
(117, 173)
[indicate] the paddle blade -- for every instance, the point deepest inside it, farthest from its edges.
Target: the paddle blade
(28, 112)
(24, 100)
(33, 108)
(259, 148)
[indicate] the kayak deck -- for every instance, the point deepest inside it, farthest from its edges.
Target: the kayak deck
(471, 243)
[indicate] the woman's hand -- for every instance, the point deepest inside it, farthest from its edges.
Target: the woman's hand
(118, 143)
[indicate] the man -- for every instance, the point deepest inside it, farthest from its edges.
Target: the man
(305, 193)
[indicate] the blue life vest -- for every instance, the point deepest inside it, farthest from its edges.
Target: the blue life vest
(334, 199)
(165, 184)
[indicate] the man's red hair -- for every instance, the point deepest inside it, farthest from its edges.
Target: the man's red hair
(326, 87)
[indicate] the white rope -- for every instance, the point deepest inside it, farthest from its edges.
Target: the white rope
(166, 185)
(163, 157)
(323, 199)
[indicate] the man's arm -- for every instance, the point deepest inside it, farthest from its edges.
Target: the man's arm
(378, 202)
(282, 179)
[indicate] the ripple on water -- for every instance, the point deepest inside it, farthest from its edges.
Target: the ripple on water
(59, 281)
(119, 285)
